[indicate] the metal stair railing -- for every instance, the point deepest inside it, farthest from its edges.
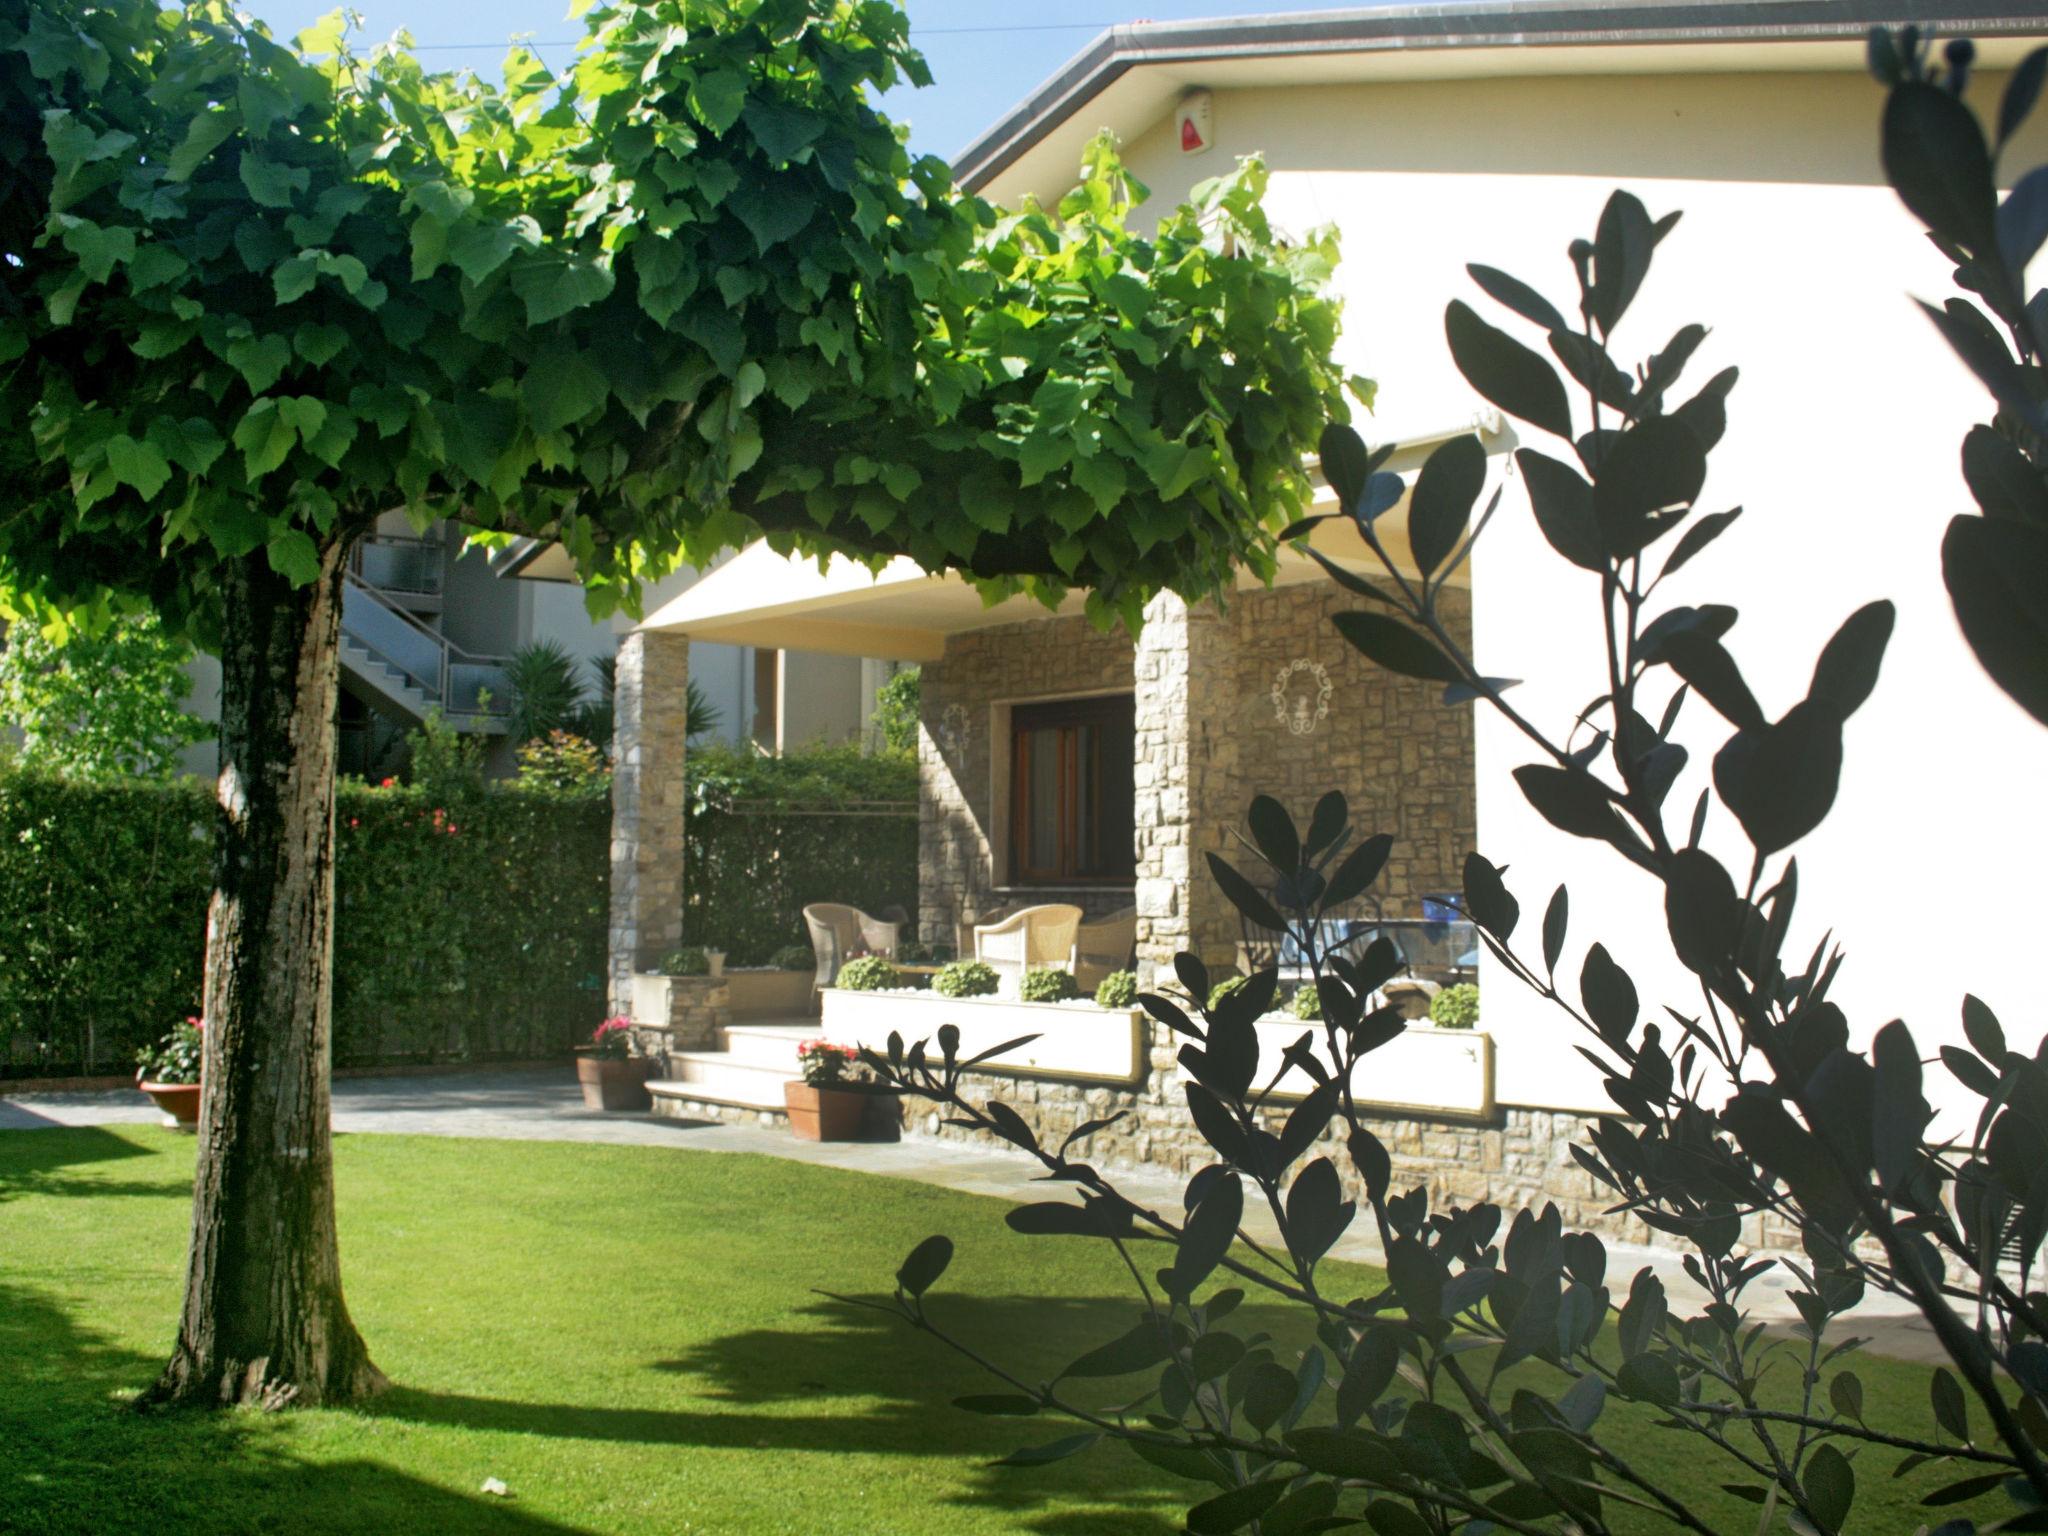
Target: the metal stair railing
(428, 661)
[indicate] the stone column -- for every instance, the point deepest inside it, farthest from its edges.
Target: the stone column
(1177, 669)
(650, 707)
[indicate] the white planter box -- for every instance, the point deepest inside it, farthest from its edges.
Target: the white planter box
(1448, 1071)
(1079, 1041)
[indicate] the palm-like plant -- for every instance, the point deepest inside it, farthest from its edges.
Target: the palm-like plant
(546, 693)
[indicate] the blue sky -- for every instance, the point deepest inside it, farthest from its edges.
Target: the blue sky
(986, 56)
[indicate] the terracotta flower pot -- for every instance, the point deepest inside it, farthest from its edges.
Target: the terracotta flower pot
(612, 1083)
(824, 1114)
(178, 1101)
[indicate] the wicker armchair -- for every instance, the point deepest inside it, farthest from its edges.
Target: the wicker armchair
(1032, 937)
(1104, 945)
(840, 932)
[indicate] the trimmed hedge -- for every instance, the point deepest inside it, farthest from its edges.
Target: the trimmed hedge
(469, 924)
(767, 836)
(464, 930)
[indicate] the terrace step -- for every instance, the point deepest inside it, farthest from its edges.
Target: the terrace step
(766, 1045)
(715, 1077)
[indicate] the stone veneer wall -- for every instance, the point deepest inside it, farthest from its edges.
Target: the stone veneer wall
(1518, 1158)
(1402, 757)
(959, 830)
(1208, 740)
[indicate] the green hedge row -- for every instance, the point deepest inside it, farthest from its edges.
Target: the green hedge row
(474, 928)
(469, 925)
(767, 836)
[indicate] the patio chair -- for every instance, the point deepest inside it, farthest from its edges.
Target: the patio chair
(968, 921)
(838, 933)
(1035, 936)
(1104, 945)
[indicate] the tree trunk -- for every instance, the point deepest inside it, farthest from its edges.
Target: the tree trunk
(264, 1320)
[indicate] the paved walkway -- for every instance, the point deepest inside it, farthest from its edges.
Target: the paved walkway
(544, 1104)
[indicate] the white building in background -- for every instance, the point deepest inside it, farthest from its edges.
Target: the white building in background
(427, 623)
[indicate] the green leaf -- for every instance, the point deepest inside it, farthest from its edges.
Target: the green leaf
(478, 250)
(1514, 378)
(1393, 645)
(773, 211)
(305, 415)
(1449, 484)
(715, 98)
(319, 344)
(562, 387)
(1936, 160)
(1830, 1486)
(272, 185)
(293, 278)
(782, 132)
(293, 555)
(191, 444)
(99, 250)
(551, 290)
(265, 438)
(261, 360)
(206, 133)
(1992, 568)
(1951, 1408)
(141, 465)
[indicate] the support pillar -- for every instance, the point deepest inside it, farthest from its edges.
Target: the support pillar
(1177, 662)
(650, 733)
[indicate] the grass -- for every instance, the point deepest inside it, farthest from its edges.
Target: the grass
(628, 1337)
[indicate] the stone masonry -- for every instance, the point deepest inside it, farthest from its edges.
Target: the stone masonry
(649, 734)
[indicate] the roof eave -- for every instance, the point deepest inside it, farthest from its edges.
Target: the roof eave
(1439, 28)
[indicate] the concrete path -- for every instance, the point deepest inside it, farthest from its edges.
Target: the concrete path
(544, 1104)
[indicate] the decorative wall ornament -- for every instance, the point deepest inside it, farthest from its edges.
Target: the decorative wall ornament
(952, 727)
(1301, 695)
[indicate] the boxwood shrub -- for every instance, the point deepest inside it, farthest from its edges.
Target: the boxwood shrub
(966, 978)
(867, 973)
(1047, 984)
(1119, 989)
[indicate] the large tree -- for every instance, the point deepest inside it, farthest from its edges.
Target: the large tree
(694, 292)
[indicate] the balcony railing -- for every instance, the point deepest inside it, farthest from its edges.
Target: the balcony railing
(412, 567)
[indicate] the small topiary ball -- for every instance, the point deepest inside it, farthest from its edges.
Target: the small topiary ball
(1455, 1007)
(1308, 1003)
(1044, 984)
(687, 961)
(793, 957)
(870, 973)
(966, 978)
(1119, 989)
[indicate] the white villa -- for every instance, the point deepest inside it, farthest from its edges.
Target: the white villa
(1061, 764)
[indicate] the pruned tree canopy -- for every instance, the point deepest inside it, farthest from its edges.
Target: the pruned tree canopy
(690, 292)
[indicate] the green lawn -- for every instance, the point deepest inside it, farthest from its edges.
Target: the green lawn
(626, 1336)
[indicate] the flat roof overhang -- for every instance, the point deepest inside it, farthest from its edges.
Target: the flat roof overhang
(905, 613)
(1131, 76)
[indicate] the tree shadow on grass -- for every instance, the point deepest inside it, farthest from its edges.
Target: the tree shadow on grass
(74, 1457)
(895, 1389)
(36, 1163)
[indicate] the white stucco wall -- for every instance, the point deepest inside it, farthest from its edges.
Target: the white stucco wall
(1842, 446)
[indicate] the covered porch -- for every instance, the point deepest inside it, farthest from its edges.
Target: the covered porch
(1058, 763)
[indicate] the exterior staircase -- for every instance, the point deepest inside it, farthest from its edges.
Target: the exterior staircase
(747, 1072)
(410, 669)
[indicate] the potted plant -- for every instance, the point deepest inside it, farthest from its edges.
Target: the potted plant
(610, 1077)
(169, 1073)
(828, 1104)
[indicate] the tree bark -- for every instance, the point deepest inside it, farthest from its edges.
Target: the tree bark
(264, 1320)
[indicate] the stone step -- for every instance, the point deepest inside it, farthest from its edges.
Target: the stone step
(716, 1077)
(767, 1045)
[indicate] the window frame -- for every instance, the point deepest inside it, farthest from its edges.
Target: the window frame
(1067, 717)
